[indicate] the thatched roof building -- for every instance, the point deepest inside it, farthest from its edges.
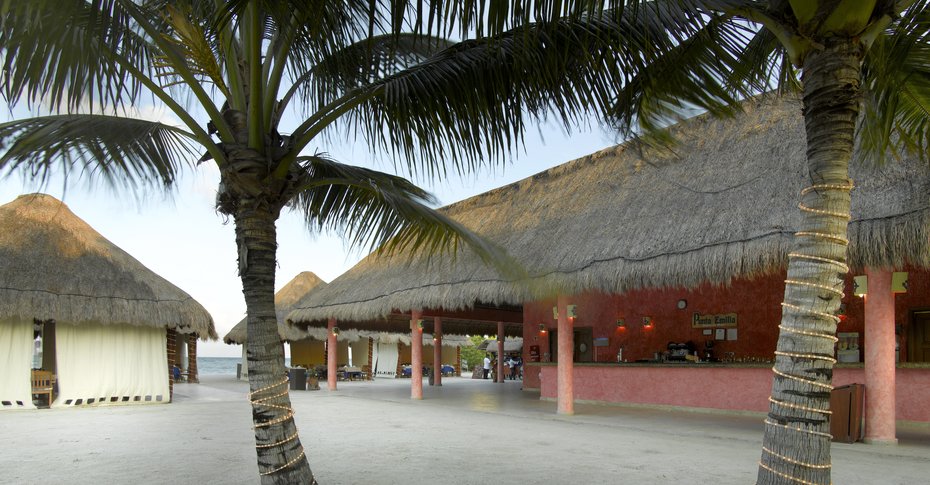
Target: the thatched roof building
(284, 301)
(56, 267)
(720, 205)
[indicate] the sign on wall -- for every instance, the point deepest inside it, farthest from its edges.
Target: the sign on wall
(569, 310)
(724, 320)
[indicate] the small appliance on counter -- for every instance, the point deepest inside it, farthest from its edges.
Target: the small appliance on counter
(679, 352)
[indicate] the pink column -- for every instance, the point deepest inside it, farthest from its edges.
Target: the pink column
(331, 353)
(416, 355)
(500, 352)
(878, 344)
(566, 366)
(437, 351)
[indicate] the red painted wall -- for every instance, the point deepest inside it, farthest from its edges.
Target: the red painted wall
(757, 305)
(694, 386)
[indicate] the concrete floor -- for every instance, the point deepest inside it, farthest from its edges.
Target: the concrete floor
(465, 432)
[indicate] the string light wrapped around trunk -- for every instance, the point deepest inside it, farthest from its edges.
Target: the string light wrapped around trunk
(288, 414)
(801, 311)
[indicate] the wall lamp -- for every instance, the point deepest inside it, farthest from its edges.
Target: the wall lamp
(542, 328)
(335, 331)
(647, 322)
(621, 323)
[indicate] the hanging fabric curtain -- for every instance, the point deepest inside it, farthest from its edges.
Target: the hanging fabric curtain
(16, 347)
(111, 364)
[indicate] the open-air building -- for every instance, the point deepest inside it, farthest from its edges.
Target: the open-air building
(84, 318)
(656, 274)
(305, 350)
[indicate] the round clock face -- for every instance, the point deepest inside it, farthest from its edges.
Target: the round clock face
(682, 304)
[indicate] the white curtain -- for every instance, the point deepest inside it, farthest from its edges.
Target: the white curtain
(16, 347)
(386, 365)
(111, 364)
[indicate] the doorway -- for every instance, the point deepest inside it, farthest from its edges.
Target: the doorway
(43, 353)
(583, 345)
(918, 338)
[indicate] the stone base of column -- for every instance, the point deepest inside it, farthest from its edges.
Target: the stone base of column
(880, 441)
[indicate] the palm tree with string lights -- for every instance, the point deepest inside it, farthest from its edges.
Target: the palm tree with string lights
(863, 71)
(231, 71)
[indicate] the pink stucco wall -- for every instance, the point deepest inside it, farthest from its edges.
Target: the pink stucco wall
(719, 387)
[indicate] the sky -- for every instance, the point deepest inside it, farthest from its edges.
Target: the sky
(180, 236)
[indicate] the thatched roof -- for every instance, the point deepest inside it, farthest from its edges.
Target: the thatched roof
(721, 204)
(396, 327)
(56, 267)
(284, 301)
(510, 345)
(320, 333)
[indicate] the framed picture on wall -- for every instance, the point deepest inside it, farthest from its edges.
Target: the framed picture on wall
(721, 334)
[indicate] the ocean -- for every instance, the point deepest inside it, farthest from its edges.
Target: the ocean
(221, 366)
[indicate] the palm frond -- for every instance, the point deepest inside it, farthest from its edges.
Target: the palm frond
(487, 19)
(193, 36)
(702, 71)
(310, 31)
(116, 150)
(360, 64)
(896, 76)
(468, 105)
(378, 210)
(63, 52)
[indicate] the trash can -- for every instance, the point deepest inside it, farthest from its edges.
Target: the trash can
(847, 402)
(298, 378)
(431, 378)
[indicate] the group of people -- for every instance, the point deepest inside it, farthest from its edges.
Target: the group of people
(515, 363)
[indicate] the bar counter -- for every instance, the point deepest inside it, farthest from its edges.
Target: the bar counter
(728, 386)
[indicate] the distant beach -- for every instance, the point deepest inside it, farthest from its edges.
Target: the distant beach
(221, 366)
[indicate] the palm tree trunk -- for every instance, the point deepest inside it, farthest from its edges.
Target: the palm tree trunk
(796, 442)
(281, 457)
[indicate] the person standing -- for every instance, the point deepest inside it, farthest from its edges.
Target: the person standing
(487, 365)
(512, 363)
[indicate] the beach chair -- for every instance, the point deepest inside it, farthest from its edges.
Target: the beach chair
(43, 382)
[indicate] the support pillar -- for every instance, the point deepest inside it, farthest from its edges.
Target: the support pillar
(416, 355)
(332, 351)
(878, 343)
(500, 352)
(170, 348)
(437, 351)
(566, 367)
(192, 376)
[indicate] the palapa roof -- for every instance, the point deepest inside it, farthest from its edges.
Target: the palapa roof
(56, 267)
(510, 345)
(720, 204)
(284, 301)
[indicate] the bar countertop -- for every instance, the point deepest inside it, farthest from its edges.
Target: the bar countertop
(840, 365)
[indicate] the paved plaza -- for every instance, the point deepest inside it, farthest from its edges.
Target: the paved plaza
(465, 432)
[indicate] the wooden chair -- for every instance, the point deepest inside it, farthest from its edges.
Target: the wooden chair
(43, 382)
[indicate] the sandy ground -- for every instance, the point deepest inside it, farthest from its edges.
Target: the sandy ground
(465, 432)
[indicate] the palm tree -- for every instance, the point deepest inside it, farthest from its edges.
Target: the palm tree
(230, 70)
(845, 57)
